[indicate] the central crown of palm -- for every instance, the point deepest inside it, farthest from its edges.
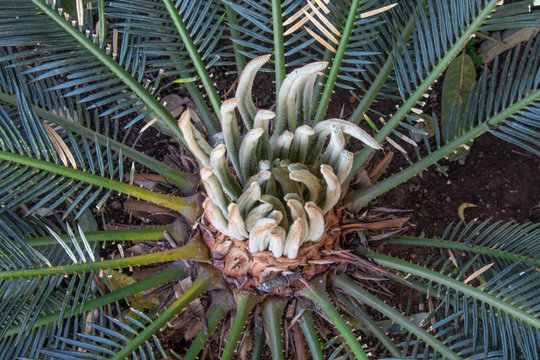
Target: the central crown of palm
(284, 180)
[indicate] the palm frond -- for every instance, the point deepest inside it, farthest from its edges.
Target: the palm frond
(24, 302)
(26, 134)
(77, 118)
(307, 25)
(92, 74)
(427, 45)
(505, 103)
(149, 30)
(102, 335)
(434, 34)
(497, 316)
(490, 96)
(39, 312)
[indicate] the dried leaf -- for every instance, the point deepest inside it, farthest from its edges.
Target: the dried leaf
(462, 208)
(477, 273)
(381, 167)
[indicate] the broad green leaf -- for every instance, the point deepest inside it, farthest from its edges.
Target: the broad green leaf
(457, 83)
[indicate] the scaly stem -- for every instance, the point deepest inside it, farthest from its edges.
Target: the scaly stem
(122, 74)
(171, 202)
(336, 63)
(135, 288)
(194, 55)
(193, 250)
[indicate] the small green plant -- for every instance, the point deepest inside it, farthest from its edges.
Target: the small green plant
(264, 263)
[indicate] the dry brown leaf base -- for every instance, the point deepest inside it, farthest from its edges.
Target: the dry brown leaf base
(263, 273)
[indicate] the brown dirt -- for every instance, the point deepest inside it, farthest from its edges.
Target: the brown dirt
(499, 177)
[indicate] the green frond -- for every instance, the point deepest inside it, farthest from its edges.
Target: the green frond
(24, 133)
(25, 301)
(504, 103)
(105, 335)
(76, 119)
(75, 172)
(44, 307)
(419, 57)
(500, 314)
(93, 73)
(498, 243)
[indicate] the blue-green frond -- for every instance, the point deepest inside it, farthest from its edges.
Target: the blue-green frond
(24, 301)
(474, 328)
(434, 33)
(52, 52)
(103, 337)
(35, 191)
(518, 239)
(515, 87)
(147, 29)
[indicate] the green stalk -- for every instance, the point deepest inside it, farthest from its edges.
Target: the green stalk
(193, 250)
(199, 286)
(445, 244)
(279, 48)
(360, 198)
(235, 35)
(216, 313)
(194, 55)
(318, 83)
(162, 277)
(111, 235)
(310, 334)
(350, 288)
(122, 74)
(459, 286)
(382, 76)
(259, 339)
(244, 304)
(318, 295)
(102, 22)
(336, 63)
(171, 202)
(400, 114)
(175, 176)
(272, 310)
(371, 325)
(208, 119)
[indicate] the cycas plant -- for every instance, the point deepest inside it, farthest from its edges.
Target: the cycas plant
(266, 257)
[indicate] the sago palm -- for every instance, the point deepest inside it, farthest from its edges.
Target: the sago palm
(263, 264)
